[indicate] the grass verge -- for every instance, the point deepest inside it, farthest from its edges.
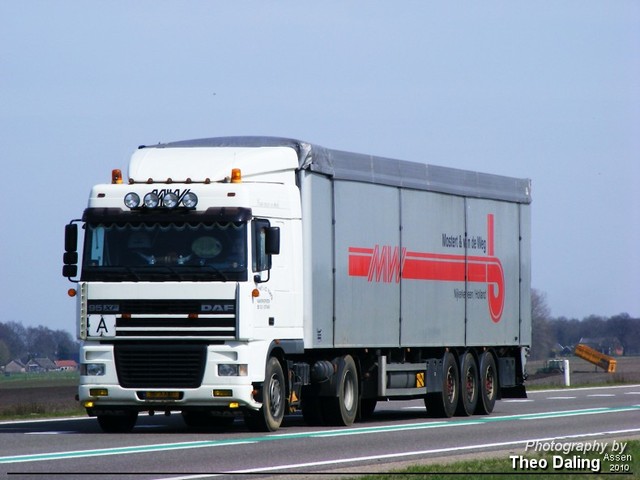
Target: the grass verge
(513, 465)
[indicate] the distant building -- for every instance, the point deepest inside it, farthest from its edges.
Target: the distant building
(15, 366)
(66, 365)
(41, 365)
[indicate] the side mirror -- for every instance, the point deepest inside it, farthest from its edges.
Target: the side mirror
(70, 257)
(69, 271)
(71, 238)
(272, 241)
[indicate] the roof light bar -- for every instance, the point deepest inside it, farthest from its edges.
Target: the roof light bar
(168, 200)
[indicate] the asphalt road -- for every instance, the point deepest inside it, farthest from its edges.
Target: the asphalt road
(399, 433)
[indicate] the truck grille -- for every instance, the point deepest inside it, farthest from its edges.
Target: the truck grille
(160, 365)
(159, 318)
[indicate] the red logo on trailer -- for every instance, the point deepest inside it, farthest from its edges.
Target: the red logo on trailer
(390, 264)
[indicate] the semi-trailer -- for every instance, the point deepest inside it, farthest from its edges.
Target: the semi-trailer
(258, 276)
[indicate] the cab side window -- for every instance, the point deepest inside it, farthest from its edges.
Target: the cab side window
(261, 260)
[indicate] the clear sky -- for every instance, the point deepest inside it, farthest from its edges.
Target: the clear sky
(543, 90)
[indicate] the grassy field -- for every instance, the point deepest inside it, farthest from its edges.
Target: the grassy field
(32, 395)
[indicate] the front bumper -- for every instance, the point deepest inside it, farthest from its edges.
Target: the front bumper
(105, 391)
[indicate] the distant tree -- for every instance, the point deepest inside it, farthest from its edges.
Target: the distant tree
(13, 335)
(5, 353)
(40, 342)
(542, 337)
(594, 326)
(566, 332)
(35, 342)
(66, 347)
(627, 331)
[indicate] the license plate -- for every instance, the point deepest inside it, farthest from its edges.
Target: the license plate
(161, 395)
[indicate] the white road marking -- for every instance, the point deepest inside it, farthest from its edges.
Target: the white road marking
(407, 454)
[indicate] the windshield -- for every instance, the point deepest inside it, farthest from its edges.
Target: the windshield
(165, 251)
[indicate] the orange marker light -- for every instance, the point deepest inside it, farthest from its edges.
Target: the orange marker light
(236, 175)
(72, 292)
(116, 176)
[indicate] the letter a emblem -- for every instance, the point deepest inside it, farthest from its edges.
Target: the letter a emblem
(102, 326)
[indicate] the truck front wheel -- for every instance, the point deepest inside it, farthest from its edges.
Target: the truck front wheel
(270, 415)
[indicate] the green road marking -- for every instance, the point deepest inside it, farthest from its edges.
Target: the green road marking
(314, 434)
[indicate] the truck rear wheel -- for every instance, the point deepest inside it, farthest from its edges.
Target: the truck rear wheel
(270, 415)
(111, 423)
(342, 409)
(469, 388)
(444, 403)
(488, 384)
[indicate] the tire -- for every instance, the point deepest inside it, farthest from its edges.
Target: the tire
(469, 385)
(342, 409)
(117, 423)
(488, 384)
(274, 396)
(443, 404)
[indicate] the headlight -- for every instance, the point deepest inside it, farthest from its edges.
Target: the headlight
(190, 200)
(151, 200)
(92, 369)
(232, 370)
(170, 200)
(132, 200)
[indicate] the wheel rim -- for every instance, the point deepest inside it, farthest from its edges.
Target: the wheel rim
(349, 392)
(470, 385)
(488, 382)
(451, 385)
(275, 395)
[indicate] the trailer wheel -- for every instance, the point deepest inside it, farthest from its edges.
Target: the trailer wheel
(469, 388)
(342, 409)
(270, 415)
(488, 384)
(110, 423)
(443, 403)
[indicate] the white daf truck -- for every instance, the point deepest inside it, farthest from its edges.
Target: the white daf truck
(257, 276)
